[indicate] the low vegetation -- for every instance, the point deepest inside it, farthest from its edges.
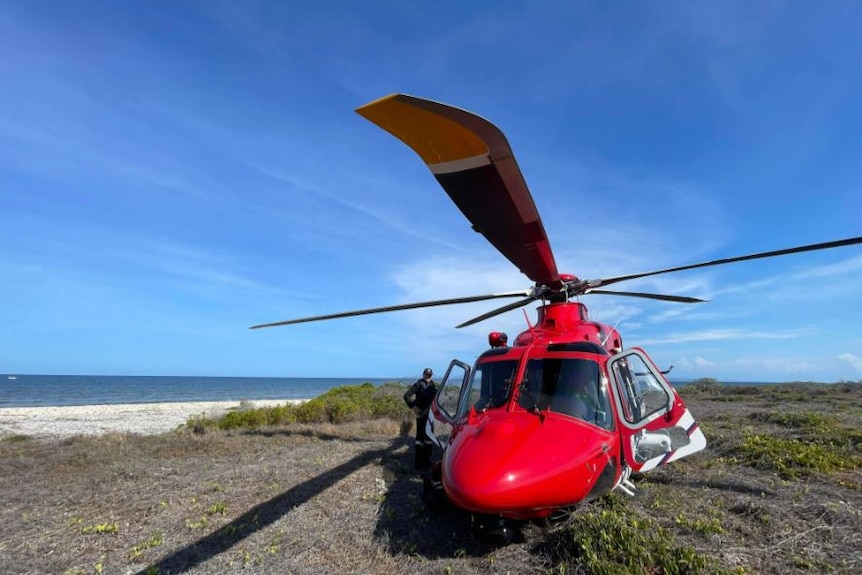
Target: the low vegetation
(326, 486)
(609, 538)
(339, 405)
(843, 394)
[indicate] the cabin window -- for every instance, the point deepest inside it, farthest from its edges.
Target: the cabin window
(451, 389)
(570, 386)
(490, 385)
(641, 391)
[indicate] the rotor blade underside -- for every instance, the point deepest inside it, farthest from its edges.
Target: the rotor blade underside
(661, 297)
(433, 303)
(784, 252)
(472, 161)
(498, 311)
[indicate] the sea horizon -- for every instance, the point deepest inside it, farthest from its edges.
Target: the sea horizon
(49, 390)
(44, 390)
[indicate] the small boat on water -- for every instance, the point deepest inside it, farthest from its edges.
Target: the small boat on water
(12, 377)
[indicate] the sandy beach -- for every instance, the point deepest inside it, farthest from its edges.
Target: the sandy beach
(143, 418)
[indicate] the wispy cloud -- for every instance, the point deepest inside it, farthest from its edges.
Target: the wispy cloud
(821, 282)
(389, 219)
(838, 269)
(727, 334)
(786, 365)
(695, 363)
(779, 368)
(855, 362)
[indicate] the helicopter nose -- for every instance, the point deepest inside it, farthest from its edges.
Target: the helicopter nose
(515, 462)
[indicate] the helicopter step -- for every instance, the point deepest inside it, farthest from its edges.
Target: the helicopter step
(624, 484)
(627, 487)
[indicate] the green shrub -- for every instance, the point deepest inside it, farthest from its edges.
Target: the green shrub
(313, 411)
(386, 405)
(817, 428)
(607, 539)
(342, 409)
(338, 405)
(793, 458)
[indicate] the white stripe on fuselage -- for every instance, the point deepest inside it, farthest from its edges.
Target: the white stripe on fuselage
(698, 442)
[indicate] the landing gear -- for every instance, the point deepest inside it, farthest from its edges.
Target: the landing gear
(559, 516)
(494, 528)
(485, 527)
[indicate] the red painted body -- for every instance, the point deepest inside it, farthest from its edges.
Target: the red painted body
(520, 460)
(520, 466)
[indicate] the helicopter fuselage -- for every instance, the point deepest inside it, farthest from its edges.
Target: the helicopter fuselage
(556, 419)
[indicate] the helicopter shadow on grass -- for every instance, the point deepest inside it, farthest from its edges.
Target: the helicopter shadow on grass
(266, 513)
(314, 434)
(723, 485)
(407, 525)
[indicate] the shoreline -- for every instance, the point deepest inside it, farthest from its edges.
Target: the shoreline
(59, 422)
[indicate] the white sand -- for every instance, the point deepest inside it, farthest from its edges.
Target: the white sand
(143, 418)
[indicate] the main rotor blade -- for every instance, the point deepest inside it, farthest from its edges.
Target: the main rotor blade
(472, 160)
(662, 297)
(385, 309)
(498, 311)
(784, 252)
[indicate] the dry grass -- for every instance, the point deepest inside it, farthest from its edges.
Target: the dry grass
(340, 498)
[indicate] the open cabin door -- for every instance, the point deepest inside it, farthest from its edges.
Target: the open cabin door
(446, 408)
(655, 425)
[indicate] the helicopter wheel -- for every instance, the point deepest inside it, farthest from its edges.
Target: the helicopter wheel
(493, 528)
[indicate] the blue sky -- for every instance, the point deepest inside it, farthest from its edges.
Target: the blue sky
(174, 172)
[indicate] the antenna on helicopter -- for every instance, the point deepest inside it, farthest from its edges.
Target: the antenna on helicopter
(613, 329)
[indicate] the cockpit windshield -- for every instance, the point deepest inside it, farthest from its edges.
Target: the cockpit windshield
(571, 386)
(490, 384)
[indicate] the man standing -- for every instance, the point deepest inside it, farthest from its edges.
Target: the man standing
(419, 398)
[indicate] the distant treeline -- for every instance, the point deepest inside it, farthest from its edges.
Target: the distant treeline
(711, 382)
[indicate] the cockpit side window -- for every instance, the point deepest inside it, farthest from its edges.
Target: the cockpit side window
(570, 386)
(490, 385)
(641, 391)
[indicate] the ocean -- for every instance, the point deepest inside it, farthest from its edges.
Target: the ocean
(58, 390)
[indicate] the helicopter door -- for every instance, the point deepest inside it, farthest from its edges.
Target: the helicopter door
(444, 410)
(655, 425)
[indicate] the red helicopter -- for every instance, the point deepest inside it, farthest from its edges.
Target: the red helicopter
(564, 414)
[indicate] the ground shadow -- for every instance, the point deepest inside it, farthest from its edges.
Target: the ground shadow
(723, 485)
(305, 433)
(264, 514)
(406, 524)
